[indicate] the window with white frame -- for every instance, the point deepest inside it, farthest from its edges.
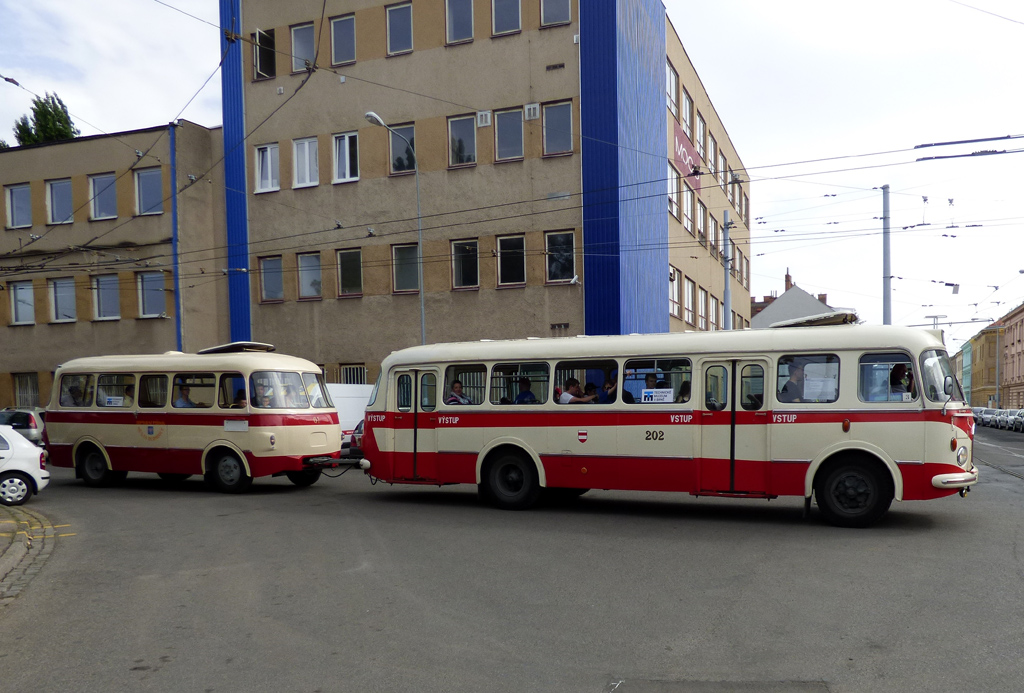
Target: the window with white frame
(686, 112)
(103, 196)
(555, 12)
(106, 293)
(23, 303)
(675, 292)
(26, 389)
(350, 272)
(672, 89)
(264, 54)
(305, 163)
(310, 283)
(19, 205)
(731, 189)
(561, 255)
(271, 279)
(712, 157)
(713, 241)
(511, 260)
(691, 298)
(346, 157)
(403, 148)
(713, 313)
(558, 128)
(508, 135)
(266, 168)
(505, 17)
(465, 264)
(62, 300)
(688, 207)
(400, 29)
(722, 166)
(343, 40)
(303, 48)
(152, 297)
(459, 20)
(702, 223)
(702, 309)
(58, 201)
(404, 261)
(149, 191)
(462, 140)
(673, 191)
(701, 134)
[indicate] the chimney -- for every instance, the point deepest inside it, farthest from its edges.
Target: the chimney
(789, 280)
(823, 298)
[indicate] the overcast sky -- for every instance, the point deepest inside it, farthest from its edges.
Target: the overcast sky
(792, 80)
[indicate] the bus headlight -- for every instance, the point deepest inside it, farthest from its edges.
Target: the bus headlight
(962, 456)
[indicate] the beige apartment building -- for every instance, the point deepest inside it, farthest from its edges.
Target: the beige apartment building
(1012, 370)
(108, 247)
(985, 347)
(568, 175)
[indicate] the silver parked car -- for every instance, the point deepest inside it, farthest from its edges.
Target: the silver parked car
(988, 417)
(1018, 421)
(28, 421)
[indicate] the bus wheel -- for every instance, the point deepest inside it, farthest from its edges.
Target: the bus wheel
(15, 488)
(227, 474)
(853, 493)
(173, 478)
(306, 477)
(511, 482)
(94, 472)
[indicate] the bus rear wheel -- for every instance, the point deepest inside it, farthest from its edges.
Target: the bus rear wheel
(94, 472)
(510, 482)
(305, 477)
(853, 493)
(227, 474)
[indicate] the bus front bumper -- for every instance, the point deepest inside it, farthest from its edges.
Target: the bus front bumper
(957, 480)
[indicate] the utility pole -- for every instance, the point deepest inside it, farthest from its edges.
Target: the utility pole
(886, 269)
(727, 294)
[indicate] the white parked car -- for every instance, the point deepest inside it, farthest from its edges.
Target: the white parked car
(22, 468)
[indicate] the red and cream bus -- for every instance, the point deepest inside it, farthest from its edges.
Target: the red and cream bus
(853, 416)
(230, 413)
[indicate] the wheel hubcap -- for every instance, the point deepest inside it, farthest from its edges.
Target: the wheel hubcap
(13, 490)
(94, 467)
(229, 471)
(511, 479)
(852, 492)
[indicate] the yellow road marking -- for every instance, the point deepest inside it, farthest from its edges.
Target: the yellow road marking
(73, 534)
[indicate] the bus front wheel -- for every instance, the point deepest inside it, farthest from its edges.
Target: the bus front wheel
(510, 482)
(305, 477)
(853, 493)
(227, 474)
(94, 472)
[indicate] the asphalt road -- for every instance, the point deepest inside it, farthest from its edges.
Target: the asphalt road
(346, 586)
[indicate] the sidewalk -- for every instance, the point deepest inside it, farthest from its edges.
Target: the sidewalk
(26, 541)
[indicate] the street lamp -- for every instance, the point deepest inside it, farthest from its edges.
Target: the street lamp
(375, 119)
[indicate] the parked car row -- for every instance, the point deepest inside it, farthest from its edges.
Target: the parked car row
(1006, 419)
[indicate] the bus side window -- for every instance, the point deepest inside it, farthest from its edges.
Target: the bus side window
(403, 392)
(152, 391)
(75, 390)
(231, 393)
(716, 388)
(752, 387)
(428, 392)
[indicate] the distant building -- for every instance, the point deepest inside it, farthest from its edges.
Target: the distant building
(792, 304)
(984, 350)
(108, 249)
(1012, 370)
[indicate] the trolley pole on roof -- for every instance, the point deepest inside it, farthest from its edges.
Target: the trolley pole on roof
(886, 269)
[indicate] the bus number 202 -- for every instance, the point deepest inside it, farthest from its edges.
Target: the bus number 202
(655, 435)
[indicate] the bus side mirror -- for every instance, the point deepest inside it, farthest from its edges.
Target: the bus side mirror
(947, 385)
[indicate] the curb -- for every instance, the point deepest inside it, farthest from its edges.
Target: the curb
(29, 546)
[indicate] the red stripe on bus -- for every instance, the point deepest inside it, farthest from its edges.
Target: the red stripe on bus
(160, 418)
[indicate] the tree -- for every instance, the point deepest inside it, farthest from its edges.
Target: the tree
(50, 122)
(4, 145)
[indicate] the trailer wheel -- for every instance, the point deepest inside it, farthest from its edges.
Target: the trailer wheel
(92, 467)
(227, 474)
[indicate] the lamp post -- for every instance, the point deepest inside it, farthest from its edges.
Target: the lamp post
(375, 119)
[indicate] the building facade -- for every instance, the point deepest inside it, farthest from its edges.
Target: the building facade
(1012, 370)
(985, 347)
(111, 244)
(566, 170)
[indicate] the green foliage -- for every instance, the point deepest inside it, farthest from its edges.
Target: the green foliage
(50, 122)
(4, 145)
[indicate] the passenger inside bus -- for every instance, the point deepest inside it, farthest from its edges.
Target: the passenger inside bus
(793, 390)
(456, 396)
(525, 395)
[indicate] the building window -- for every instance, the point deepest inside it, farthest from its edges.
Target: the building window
(23, 303)
(149, 191)
(508, 135)
(465, 264)
(713, 313)
(691, 298)
(561, 255)
(400, 29)
(26, 389)
(673, 191)
(343, 40)
(310, 284)
(459, 17)
(462, 141)
(103, 196)
(558, 128)
(714, 242)
(731, 188)
(62, 300)
(346, 157)
(106, 291)
(266, 168)
(306, 163)
(702, 133)
(303, 49)
(702, 310)
(702, 223)
(686, 113)
(405, 262)
(505, 16)
(152, 298)
(511, 260)
(688, 208)
(712, 156)
(672, 89)
(403, 153)
(722, 166)
(264, 54)
(58, 201)
(271, 279)
(555, 12)
(350, 272)
(675, 292)
(19, 206)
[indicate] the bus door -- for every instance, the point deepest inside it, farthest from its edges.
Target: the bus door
(734, 427)
(415, 448)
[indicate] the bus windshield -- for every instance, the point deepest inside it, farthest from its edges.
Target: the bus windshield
(283, 390)
(934, 369)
